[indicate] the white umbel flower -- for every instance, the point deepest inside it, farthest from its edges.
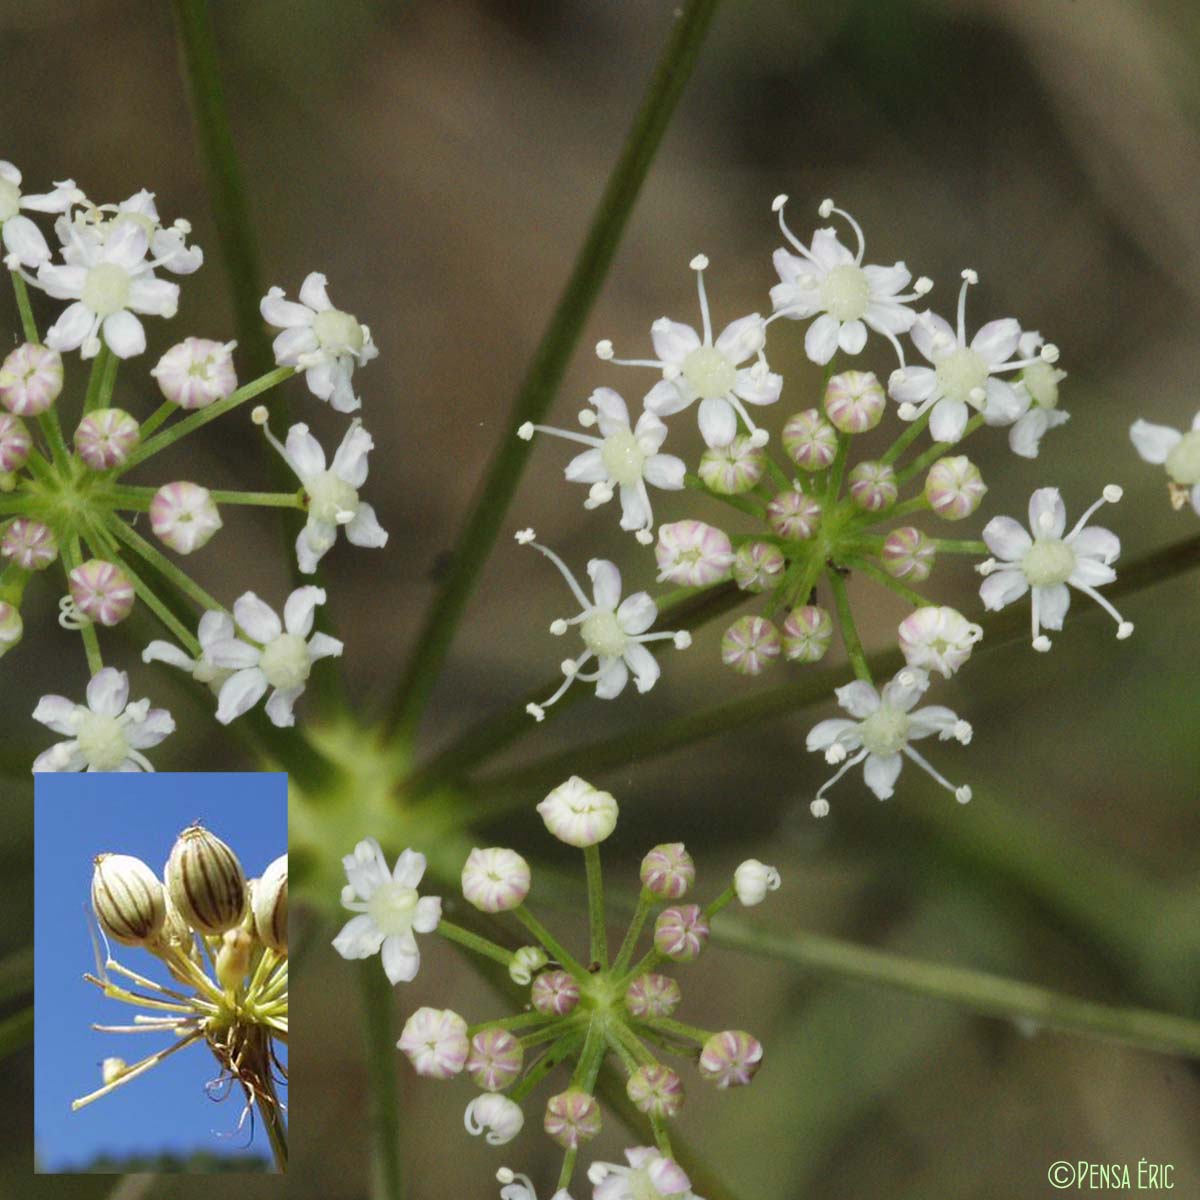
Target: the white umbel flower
(280, 655)
(96, 223)
(1046, 560)
(613, 632)
(649, 1176)
(24, 243)
(320, 340)
(1179, 452)
(390, 910)
(109, 733)
(1038, 384)
(332, 490)
(109, 281)
(695, 367)
(827, 281)
(623, 459)
(215, 627)
(880, 734)
(964, 375)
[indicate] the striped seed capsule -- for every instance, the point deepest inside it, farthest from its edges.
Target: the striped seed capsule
(270, 902)
(206, 881)
(128, 899)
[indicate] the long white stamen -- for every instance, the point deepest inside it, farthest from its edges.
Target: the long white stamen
(698, 264)
(797, 244)
(929, 768)
(850, 762)
(1112, 494)
(565, 572)
(828, 207)
(1041, 643)
(1124, 628)
(758, 437)
(968, 277)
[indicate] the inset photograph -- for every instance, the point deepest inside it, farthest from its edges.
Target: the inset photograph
(161, 973)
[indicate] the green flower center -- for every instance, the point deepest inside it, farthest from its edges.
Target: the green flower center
(285, 662)
(623, 457)
(603, 635)
(1041, 382)
(1049, 561)
(960, 373)
(392, 907)
(106, 289)
(328, 496)
(102, 742)
(845, 292)
(1183, 463)
(885, 732)
(709, 372)
(338, 332)
(640, 1185)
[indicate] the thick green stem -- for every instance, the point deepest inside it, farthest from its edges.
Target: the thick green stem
(102, 380)
(538, 390)
(646, 901)
(595, 890)
(550, 943)
(163, 565)
(906, 439)
(377, 994)
(472, 941)
(850, 638)
(880, 576)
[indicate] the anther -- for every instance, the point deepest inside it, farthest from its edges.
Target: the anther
(525, 432)
(970, 276)
(699, 263)
(1113, 492)
(604, 349)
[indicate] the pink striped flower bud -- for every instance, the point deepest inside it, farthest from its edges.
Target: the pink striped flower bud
(554, 993)
(496, 1059)
(29, 544)
(655, 1090)
(184, 516)
(854, 401)
(954, 487)
(810, 440)
(750, 645)
(908, 554)
(692, 554)
(435, 1041)
(653, 995)
(11, 627)
(758, 566)
(807, 634)
(668, 871)
(102, 591)
(873, 486)
(572, 1117)
(106, 438)
(793, 515)
(15, 443)
(680, 933)
(197, 372)
(730, 1059)
(733, 469)
(495, 880)
(31, 379)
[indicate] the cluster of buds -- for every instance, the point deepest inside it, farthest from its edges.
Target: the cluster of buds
(64, 499)
(580, 1010)
(819, 512)
(223, 939)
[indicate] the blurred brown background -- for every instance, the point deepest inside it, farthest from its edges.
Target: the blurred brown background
(439, 162)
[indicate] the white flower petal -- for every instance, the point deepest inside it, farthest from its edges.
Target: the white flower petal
(587, 467)
(929, 334)
(73, 327)
(821, 338)
(24, 239)
(948, 420)
(1002, 588)
(1154, 442)
(880, 774)
(665, 471)
(673, 341)
(858, 698)
(741, 339)
(299, 609)
(427, 915)
(154, 297)
(1007, 539)
(401, 958)
(1096, 542)
(59, 714)
(305, 452)
(852, 336)
(256, 618)
(350, 463)
(644, 666)
(240, 693)
(606, 583)
(666, 398)
(718, 421)
(1047, 513)
(284, 314)
(279, 706)
(614, 675)
(1053, 603)
(996, 341)
(359, 938)
(637, 613)
(611, 409)
(232, 654)
(108, 692)
(141, 735)
(321, 645)
(757, 388)
(313, 294)
(365, 529)
(124, 335)
(836, 729)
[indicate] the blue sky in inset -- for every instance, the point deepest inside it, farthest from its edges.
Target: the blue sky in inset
(165, 1110)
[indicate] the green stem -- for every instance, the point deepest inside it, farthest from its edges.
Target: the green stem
(977, 991)
(102, 380)
(959, 546)
(163, 565)
(272, 1118)
(880, 576)
(646, 901)
(689, 1033)
(833, 485)
(72, 557)
(744, 503)
(157, 417)
(595, 889)
(377, 994)
(850, 638)
(538, 390)
(172, 623)
(520, 1021)
(28, 323)
(556, 1054)
(936, 451)
(138, 498)
(550, 943)
(472, 941)
(906, 439)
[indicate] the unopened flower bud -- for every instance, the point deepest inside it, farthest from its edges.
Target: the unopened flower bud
(692, 554)
(31, 379)
(102, 591)
(908, 554)
(758, 566)
(579, 814)
(435, 1041)
(196, 372)
(854, 401)
(938, 638)
(810, 440)
(15, 443)
(572, 1117)
(233, 958)
(750, 645)
(554, 993)
(652, 995)
(954, 487)
(807, 634)
(873, 486)
(495, 880)
(206, 881)
(793, 515)
(668, 871)
(655, 1090)
(494, 1115)
(495, 1059)
(753, 880)
(128, 899)
(680, 933)
(733, 469)
(29, 544)
(270, 906)
(525, 961)
(106, 438)
(11, 627)
(730, 1059)
(184, 516)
